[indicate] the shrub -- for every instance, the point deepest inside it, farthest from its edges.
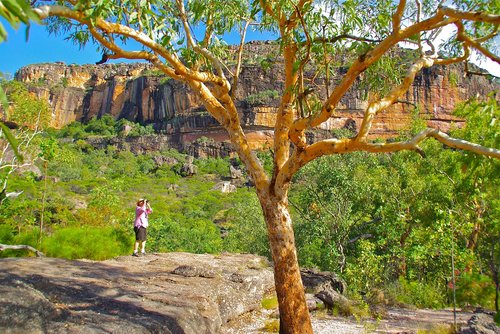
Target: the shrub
(216, 166)
(198, 236)
(419, 294)
(104, 126)
(87, 243)
(476, 290)
(262, 97)
(6, 234)
(246, 229)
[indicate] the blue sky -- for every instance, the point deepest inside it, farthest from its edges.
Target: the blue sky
(42, 47)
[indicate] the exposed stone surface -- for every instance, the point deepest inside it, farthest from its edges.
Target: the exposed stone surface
(140, 93)
(481, 323)
(159, 293)
(325, 287)
(225, 187)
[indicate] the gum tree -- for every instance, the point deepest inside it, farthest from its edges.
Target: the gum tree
(183, 39)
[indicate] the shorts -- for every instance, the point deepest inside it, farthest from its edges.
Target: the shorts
(140, 233)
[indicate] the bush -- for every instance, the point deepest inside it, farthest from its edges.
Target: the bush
(247, 231)
(6, 234)
(476, 290)
(197, 236)
(262, 97)
(217, 166)
(88, 243)
(419, 294)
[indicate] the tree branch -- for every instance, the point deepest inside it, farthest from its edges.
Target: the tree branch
(362, 236)
(180, 69)
(391, 98)
(396, 18)
(471, 16)
(17, 247)
(239, 58)
(412, 144)
(361, 64)
(205, 52)
(346, 36)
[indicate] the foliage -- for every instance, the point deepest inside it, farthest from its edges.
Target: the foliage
(328, 214)
(269, 302)
(87, 243)
(348, 42)
(262, 98)
(420, 294)
(26, 110)
(217, 166)
(15, 12)
(195, 236)
(105, 126)
(475, 290)
(247, 229)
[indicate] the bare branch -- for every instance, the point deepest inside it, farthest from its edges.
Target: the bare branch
(412, 144)
(180, 69)
(17, 247)
(396, 18)
(391, 98)
(471, 16)
(362, 236)
(346, 36)
(239, 59)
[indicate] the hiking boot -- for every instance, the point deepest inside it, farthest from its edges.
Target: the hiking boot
(135, 254)
(143, 254)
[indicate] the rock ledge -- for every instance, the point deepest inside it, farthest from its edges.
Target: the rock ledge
(130, 295)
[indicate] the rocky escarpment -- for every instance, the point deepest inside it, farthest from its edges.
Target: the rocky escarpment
(142, 94)
(159, 293)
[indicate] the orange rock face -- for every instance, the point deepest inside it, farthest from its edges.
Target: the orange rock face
(139, 93)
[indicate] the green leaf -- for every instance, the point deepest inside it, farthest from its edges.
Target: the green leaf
(3, 99)
(11, 140)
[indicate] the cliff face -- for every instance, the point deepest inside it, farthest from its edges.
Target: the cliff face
(140, 93)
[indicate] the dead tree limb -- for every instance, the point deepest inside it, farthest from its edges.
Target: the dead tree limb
(36, 251)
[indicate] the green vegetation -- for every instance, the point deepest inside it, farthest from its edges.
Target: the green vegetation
(106, 126)
(263, 97)
(383, 222)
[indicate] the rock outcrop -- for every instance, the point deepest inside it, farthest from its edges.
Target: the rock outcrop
(140, 93)
(481, 323)
(159, 293)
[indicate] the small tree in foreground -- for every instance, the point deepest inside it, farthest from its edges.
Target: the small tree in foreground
(359, 36)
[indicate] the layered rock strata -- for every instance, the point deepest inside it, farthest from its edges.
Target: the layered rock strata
(140, 93)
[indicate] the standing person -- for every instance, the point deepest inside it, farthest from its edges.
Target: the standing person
(142, 210)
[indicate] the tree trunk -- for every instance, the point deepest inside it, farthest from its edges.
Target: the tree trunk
(294, 315)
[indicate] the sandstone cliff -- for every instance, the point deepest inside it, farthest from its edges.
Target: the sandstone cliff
(140, 93)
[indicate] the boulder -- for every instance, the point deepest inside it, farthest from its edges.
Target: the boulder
(235, 173)
(317, 281)
(325, 286)
(225, 187)
(189, 169)
(480, 323)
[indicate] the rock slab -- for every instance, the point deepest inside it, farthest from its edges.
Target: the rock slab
(158, 293)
